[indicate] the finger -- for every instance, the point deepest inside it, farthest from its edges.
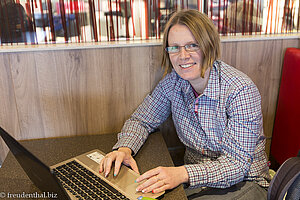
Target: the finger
(101, 165)
(134, 166)
(107, 165)
(161, 189)
(151, 181)
(118, 162)
(154, 186)
(148, 174)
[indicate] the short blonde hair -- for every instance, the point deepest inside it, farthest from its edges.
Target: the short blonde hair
(204, 32)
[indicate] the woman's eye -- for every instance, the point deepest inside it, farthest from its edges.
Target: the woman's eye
(173, 49)
(193, 45)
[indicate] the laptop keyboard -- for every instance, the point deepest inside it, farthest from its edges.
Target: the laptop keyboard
(83, 184)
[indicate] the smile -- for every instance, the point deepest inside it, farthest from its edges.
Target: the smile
(187, 65)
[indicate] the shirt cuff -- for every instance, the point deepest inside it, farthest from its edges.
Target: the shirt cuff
(197, 175)
(133, 143)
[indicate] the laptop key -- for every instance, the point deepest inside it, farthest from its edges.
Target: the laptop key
(105, 191)
(102, 195)
(118, 194)
(84, 195)
(90, 192)
(109, 194)
(80, 192)
(106, 198)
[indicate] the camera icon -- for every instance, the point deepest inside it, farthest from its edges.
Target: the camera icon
(2, 195)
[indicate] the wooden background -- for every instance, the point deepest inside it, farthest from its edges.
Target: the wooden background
(56, 93)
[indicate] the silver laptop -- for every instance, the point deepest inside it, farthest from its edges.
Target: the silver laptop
(78, 177)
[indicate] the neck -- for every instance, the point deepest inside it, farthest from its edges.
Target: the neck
(200, 84)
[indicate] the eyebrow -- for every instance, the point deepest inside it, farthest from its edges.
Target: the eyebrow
(175, 44)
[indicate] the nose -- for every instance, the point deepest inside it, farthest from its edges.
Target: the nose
(183, 53)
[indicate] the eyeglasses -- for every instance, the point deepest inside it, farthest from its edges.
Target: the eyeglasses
(188, 48)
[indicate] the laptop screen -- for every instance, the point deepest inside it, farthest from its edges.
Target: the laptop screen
(39, 173)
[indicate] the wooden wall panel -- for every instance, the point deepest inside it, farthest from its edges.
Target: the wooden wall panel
(24, 77)
(156, 71)
(54, 93)
(81, 91)
(8, 112)
(135, 77)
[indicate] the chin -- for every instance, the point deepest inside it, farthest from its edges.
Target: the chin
(190, 75)
(188, 78)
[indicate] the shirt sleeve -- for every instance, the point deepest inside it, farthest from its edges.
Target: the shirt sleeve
(239, 141)
(154, 110)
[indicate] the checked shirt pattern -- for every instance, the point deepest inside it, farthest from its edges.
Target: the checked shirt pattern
(222, 128)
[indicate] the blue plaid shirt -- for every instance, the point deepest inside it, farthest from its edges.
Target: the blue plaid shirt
(222, 128)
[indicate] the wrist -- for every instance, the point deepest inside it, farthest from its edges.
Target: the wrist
(184, 174)
(126, 150)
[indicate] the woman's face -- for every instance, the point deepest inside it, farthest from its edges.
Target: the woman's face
(187, 64)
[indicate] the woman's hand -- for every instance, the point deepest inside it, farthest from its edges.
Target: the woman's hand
(122, 155)
(162, 178)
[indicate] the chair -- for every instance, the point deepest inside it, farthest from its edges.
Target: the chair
(286, 132)
(286, 182)
(15, 26)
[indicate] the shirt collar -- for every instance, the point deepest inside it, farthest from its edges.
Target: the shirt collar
(212, 89)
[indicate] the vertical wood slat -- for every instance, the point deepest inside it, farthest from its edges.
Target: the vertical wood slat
(26, 88)
(89, 91)
(8, 111)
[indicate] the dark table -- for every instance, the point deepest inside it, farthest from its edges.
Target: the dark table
(51, 151)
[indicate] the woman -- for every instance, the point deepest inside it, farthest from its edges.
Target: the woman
(216, 110)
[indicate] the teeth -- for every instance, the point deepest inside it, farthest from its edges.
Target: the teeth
(187, 65)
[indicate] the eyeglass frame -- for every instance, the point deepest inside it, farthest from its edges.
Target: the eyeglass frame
(185, 48)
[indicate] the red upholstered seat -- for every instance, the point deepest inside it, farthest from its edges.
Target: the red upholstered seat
(286, 132)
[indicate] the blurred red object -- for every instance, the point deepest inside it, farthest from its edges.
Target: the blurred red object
(286, 131)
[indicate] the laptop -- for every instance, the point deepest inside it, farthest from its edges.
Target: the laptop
(77, 177)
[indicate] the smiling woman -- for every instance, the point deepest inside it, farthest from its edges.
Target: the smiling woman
(201, 48)
(187, 64)
(205, 37)
(221, 128)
